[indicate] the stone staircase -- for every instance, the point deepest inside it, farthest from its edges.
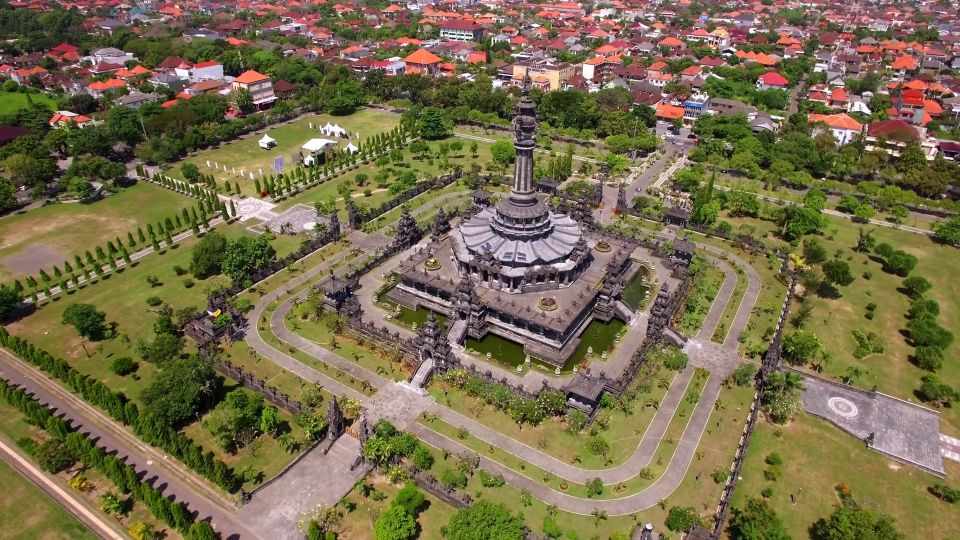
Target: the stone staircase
(624, 311)
(457, 332)
(422, 374)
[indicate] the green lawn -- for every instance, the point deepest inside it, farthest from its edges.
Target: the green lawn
(703, 290)
(123, 297)
(246, 152)
(834, 320)
(817, 457)
(53, 234)
(11, 102)
(552, 437)
(28, 513)
(357, 524)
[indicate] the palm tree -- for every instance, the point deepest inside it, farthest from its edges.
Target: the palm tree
(853, 373)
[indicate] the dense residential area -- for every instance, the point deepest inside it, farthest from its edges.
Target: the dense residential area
(479, 270)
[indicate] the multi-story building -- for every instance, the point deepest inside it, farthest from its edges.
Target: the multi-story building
(259, 85)
(545, 73)
(695, 106)
(458, 30)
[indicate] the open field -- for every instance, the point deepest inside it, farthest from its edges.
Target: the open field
(11, 102)
(52, 234)
(26, 512)
(817, 457)
(358, 523)
(123, 297)
(246, 153)
(834, 320)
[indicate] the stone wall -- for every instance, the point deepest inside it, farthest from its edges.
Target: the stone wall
(260, 386)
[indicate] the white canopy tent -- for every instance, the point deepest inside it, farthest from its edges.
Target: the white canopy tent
(333, 130)
(314, 146)
(350, 148)
(267, 142)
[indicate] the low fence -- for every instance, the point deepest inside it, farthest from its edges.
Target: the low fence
(446, 494)
(249, 381)
(770, 363)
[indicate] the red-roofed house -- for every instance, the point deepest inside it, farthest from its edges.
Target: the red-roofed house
(892, 136)
(669, 112)
(63, 118)
(259, 85)
(841, 126)
(98, 89)
(422, 61)
(772, 79)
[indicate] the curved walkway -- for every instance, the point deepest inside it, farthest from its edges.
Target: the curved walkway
(719, 358)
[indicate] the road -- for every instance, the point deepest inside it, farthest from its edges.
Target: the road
(92, 519)
(162, 471)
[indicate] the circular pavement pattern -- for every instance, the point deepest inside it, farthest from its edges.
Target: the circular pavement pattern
(843, 407)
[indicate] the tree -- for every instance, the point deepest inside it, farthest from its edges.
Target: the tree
(191, 172)
(503, 152)
(796, 221)
(201, 530)
(243, 100)
(245, 255)
(179, 390)
(269, 420)
(207, 256)
(10, 300)
(680, 519)
(937, 392)
(485, 521)
(742, 203)
(86, 320)
(432, 124)
(8, 195)
(814, 251)
(850, 523)
(801, 346)
(838, 272)
(756, 521)
(916, 286)
(780, 398)
(395, 524)
(235, 420)
(948, 231)
(411, 499)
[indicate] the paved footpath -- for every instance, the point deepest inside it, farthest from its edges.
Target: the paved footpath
(720, 359)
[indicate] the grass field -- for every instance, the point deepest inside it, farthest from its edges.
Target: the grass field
(50, 235)
(358, 523)
(834, 320)
(123, 297)
(818, 456)
(26, 512)
(11, 102)
(246, 152)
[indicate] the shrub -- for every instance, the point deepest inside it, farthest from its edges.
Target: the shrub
(179, 270)
(453, 479)
(945, 493)
(154, 301)
(766, 492)
(490, 480)
(682, 519)
(598, 446)
(188, 283)
(123, 366)
(773, 458)
(773, 473)
(928, 358)
(743, 376)
(594, 487)
(720, 475)
(550, 528)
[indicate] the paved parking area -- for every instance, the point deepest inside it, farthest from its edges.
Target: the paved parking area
(902, 430)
